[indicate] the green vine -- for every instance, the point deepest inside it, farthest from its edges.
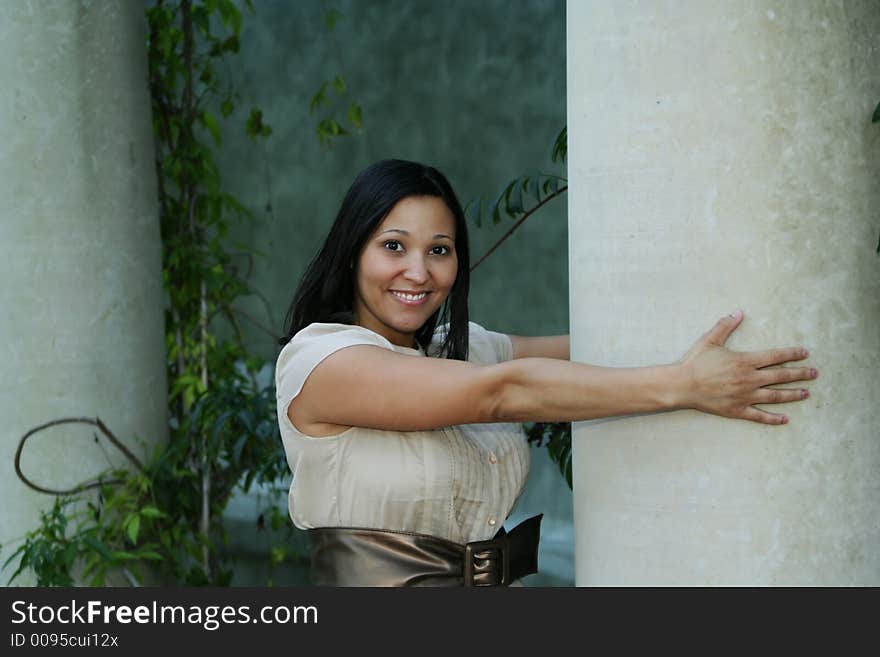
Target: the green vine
(331, 105)
(521, 198)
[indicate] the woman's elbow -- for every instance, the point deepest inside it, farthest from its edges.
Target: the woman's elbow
(506, 401)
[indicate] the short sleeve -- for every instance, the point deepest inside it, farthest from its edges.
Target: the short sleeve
(484, 347)
(306, 351)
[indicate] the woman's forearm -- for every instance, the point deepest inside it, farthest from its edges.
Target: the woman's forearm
(542, 389)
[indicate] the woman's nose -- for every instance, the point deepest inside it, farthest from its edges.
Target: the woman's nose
(416, 271)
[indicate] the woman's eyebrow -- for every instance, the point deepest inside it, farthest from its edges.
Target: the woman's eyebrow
(404, 232)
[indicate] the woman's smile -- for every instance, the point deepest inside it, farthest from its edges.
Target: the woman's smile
(410, 298)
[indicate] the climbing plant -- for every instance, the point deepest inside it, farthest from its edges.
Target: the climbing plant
(331, 102)
(519, 200)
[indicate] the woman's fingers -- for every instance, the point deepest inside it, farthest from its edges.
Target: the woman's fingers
(779, 395)
(776, 375)
(777, 356)
(757, 415)
(719, 333)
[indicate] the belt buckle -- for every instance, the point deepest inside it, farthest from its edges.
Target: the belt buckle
(500, 544)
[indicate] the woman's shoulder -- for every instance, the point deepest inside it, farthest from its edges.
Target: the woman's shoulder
(328, 334)
(308, 347)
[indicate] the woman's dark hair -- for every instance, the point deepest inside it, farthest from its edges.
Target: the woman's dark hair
(326, 291)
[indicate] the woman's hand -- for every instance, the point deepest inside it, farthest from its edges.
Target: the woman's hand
(727, 383)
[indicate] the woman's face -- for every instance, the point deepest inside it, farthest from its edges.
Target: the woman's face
(406, 269)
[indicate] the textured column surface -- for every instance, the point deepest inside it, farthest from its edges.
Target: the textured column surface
(721, 156)
(81, 329)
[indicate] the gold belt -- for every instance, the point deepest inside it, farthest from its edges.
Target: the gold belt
(354, 556)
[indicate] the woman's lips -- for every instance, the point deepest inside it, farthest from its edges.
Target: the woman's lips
(410, 298)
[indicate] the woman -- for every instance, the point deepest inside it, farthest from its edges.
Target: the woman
(399, 417)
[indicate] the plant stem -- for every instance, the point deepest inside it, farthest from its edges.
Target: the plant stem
(206, 465)
(517, 225)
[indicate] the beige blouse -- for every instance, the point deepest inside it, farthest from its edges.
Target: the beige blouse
(459, 483)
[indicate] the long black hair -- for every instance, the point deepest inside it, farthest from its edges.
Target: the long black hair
(326, 291)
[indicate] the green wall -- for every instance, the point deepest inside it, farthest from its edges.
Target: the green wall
(475, 88)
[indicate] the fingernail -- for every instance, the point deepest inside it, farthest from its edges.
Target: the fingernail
(804, 353)
(784, 420)
(736, 315)
(814, 373)
(805, 394)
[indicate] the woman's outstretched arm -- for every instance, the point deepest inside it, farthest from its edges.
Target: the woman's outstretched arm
(708, 378)
(371, 387)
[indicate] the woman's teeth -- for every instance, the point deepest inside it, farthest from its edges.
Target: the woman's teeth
(410, 297)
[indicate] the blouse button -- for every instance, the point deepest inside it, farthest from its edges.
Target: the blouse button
(492, 520)
(493, 458)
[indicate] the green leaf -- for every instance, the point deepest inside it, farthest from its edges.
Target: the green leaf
(219, 424)
(514, 198)
(91, 563)
(536, 187)
(473, 210)
(319, 99)
(246, 417)
(239, 447)
(232, 44)
(69, 555)
(97, 546)
(329, 128)
(255, 127)
(211, 124)
(354, 115)
(152, 512)
(230, 14)
(496, 209)
(133, 527)
(339, 84)
(201, 17)
(151, 555)
(331, 17)
(560, 146)
(876, 117)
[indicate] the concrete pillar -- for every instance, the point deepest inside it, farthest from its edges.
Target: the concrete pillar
(721, 156)
(81, 327)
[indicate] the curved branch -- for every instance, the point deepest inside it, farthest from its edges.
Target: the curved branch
(517, 225)
(256, 323)
(82, 487)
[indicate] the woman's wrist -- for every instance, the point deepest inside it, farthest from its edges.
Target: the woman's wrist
(680, 386)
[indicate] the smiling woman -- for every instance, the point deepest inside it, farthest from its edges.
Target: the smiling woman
(400, 418)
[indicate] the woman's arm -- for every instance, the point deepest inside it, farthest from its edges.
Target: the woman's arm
(546, 346)
(372, 387)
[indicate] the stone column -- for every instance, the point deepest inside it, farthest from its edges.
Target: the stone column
(722, 156)
(81, 327)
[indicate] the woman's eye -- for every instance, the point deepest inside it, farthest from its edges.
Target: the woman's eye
(440, 250)
(393, 245)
